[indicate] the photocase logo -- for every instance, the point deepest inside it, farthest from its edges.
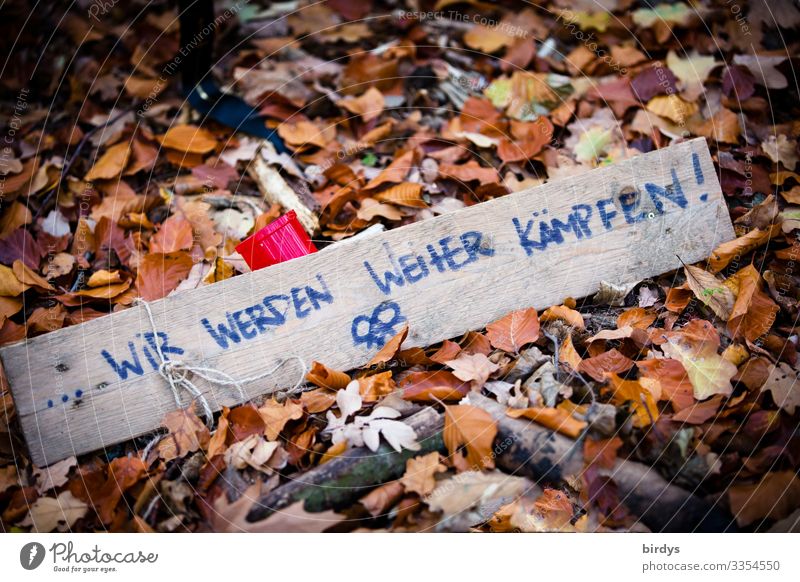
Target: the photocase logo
(31, 555)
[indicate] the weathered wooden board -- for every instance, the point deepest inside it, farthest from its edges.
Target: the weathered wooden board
(92, 385)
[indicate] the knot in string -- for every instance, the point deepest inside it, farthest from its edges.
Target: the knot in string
(179, 374)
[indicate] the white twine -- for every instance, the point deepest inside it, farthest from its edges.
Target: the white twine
(177, 374)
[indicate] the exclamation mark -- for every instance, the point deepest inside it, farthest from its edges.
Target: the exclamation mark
(698, 175)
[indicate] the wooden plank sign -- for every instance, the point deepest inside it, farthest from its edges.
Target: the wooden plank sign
(91, 385)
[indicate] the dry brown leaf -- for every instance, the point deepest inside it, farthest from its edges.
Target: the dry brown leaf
(374, 387)
(390, 348)
(54, 475)
(186, 434)
(105, 291)
(10, 286)
(102, 278)
(474, 368)
(513, 331)
(639, 398)
(369, 105)
(55, 513)
(420, 475)
(161, 273)
(474, 429)
(175, 234)
(232, 517)
(110, 164)
(430, 386)
(636, 317)
(395, 172)
(572, 317)
(782, 383)
(404, 194)
(774, 497)
(711, 290)
(324, 377)
(188, 139)
(276, 414)
(316, 401)
(556, 419)
(29, 277)
(724, 253)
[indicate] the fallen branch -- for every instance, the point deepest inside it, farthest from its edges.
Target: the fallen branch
(350, 476)
(545, 456)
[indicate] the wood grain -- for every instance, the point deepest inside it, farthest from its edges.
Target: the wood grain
(70, 400)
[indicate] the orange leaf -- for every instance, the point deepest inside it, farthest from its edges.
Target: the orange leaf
(754, 311)
(188, 139)
(161, 273)
(373, 387)
(569, 355)
(514, 330)
(448, 351)
(321, 375)
(724, 253)
(608, 362)
(636, 317)
(633, 393)
(276, 414)
(666, 379)
(556, 419)
(429, 386)
(187, 434)
(404, 194)
(469, 172)
(369, 105)
(474, 429)
(317, 400)
(395, 172)
(572, 317)
(175, 234)
(111, 163)
(390, 348)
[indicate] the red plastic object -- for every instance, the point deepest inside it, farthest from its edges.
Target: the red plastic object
(281, 240)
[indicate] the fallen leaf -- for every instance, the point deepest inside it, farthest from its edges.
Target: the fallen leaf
(473, 367)
(572, 317)
(711, 290)
(474, 429)
(275, 416)
(782, 383)
(708, 372)
(111, 163)
(188, 139)
(161, 273)
(55, 513)
(640, 399)
(175, 234)
(389, 349)
(186, 434)
(514, 330)
(403, 194)
(555, 419)
(636, 317)
(429, 386)
(324, 377)
(610, 362)
(54, 475)
(369, 105)
(232, 517)
(420, 474)
(774, 497)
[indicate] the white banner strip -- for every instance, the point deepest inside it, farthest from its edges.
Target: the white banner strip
(350, 558)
